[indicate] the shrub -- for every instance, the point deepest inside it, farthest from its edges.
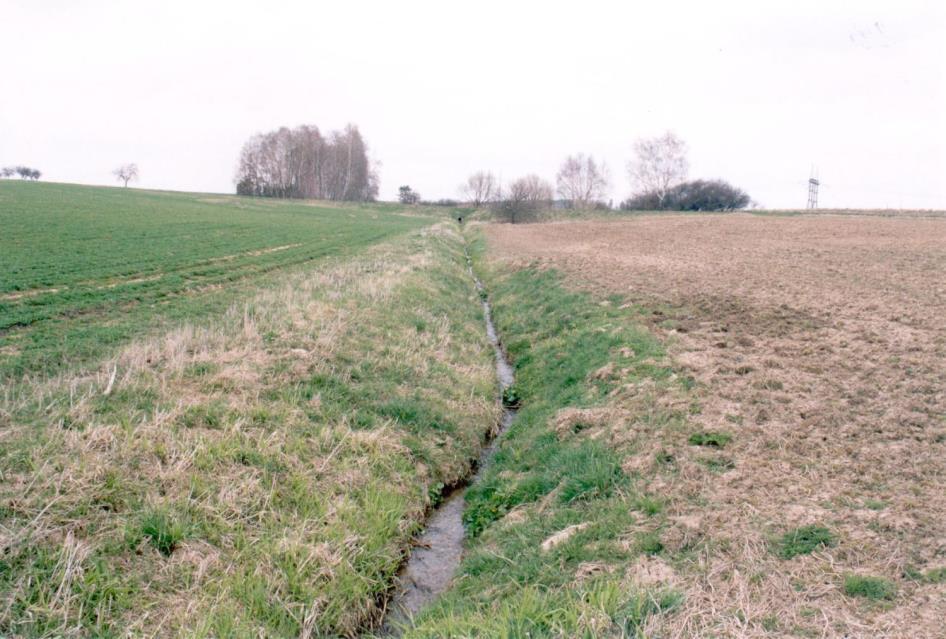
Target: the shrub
(407, 195)
(695, 195)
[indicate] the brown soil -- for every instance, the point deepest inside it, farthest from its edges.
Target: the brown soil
(819, 343)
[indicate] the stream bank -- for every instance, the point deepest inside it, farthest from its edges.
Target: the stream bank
(438, 550)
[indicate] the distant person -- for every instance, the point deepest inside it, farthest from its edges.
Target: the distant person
(460, 220)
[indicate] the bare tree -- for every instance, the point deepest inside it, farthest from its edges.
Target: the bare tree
(302, 163)
(126, 173)
(524, 196)
(8, 171)
(480, 188)
(660, 164)
(582, 181)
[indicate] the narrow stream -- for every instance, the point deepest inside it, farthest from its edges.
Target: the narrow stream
(437, 551)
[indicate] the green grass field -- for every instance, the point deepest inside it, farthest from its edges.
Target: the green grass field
(84, 269)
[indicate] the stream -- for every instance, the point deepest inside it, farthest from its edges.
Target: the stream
(437, 551)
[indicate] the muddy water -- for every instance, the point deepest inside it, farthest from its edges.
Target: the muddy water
(438, 550)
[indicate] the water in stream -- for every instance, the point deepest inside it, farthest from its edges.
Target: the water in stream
(437, 551)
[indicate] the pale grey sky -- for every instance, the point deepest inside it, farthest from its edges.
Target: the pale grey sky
(759, 90)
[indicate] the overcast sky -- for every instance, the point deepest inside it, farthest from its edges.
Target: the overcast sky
(761, 91)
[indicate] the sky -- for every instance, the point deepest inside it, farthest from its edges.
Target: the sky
(762, 92)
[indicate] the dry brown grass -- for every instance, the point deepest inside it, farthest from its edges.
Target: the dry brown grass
(819, 343)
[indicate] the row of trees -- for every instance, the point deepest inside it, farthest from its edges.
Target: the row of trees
(24, 172)
(302, 163)
(125, 173)
(581, 182)
(659, 170)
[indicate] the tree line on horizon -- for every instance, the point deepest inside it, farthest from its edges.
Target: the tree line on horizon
(659, 169)
(303, 163)
(25, 172)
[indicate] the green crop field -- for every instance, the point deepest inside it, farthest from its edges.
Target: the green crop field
(83, 269)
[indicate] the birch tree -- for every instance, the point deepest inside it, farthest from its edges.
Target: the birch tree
(581, 181)
(659, 164)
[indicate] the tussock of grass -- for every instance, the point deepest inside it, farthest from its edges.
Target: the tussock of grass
(161, 529)
(258, 475)
(711, 439)
(867, 587)
(935, 575)
(805, 540)
(718, 464)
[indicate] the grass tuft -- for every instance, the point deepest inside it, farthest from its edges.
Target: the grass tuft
(805, 540)
(162, 530)
(710, 438)
(650, 543)
(867, 587)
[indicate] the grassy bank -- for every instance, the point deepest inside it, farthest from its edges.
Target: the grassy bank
(260, 474)
(564, 523)
(85, 269)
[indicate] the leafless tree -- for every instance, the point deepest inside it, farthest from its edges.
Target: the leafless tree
(523, 197)
(659, 164)
(302, 163)
(480, 188)
(126, 173)
(581, 181)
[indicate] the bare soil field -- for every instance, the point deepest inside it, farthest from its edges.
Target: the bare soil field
(818, 343)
